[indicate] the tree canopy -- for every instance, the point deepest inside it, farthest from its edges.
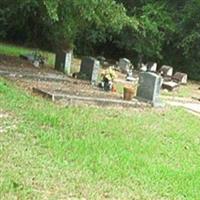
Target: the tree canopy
(153, 30)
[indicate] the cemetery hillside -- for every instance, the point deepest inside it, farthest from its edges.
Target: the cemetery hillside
(99, 99)
(52, 152)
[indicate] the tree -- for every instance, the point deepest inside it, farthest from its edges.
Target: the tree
(61, 20)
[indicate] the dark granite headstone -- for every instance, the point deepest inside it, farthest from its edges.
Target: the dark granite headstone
(90, 68)
(63, 61)
(149, 87)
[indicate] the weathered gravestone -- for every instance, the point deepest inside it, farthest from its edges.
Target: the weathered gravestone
(143, 67)
(90, 69)
(180, 78)
(149, 88)
(151, 67)
(63, 61)
(124, 64)
(166, 71)
(170, 85)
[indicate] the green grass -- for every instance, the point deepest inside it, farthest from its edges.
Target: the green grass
(13, 50)
(54, 152)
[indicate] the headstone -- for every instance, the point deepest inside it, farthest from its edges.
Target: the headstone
(101, 59)
(124, 64)
(170, 85)
(143, 67)
(180, 78)
(63, 61)
(149, 88)
(90, 68)
(166, 71)
(151, 67)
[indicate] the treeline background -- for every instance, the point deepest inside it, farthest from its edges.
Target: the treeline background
(162, 31)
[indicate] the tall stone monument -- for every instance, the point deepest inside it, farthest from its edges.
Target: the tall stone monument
(149, 88)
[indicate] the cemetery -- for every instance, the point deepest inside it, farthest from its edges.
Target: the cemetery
(90, 82)
(79, 107)
(99, 100)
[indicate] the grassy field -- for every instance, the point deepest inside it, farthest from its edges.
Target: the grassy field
(12, 50)
(53, 152)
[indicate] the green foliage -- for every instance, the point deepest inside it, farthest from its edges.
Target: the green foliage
(156, 25)
(190, 28)
(164, 31)
(63, 19)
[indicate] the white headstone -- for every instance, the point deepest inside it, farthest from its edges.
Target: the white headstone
(124, 64)
(152, 67)
(166, 71)
(143, 67)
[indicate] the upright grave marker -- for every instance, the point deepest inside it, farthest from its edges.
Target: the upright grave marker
(166, 71)
(151, 67)
(90, 69)
(149, 88)
(63, 61)
(181, 78)
(124, 64)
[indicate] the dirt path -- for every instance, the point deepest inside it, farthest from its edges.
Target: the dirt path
(193, 107)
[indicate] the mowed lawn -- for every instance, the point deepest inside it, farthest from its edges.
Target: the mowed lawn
(53, 152)
(14, 50)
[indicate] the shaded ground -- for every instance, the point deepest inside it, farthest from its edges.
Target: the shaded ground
(19, 68)
(24, 74)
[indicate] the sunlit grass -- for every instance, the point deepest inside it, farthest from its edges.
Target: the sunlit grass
(93, 153)
(13, 50)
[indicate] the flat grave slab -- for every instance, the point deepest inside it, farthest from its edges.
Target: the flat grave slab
(170, 85)
(73, 99)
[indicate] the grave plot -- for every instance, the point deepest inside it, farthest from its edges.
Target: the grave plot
(59, 87)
